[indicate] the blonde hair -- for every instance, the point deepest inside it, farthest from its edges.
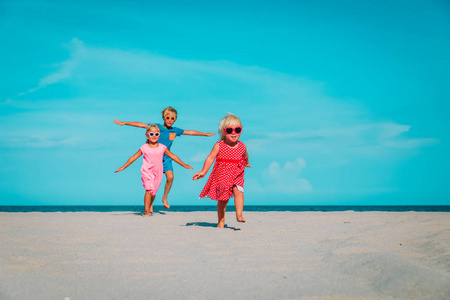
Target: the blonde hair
(227, 121)
(149, 127)
(168, 110)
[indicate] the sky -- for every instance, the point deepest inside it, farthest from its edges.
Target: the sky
(342, 102)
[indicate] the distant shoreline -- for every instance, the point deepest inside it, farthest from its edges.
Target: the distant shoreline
(253, 208)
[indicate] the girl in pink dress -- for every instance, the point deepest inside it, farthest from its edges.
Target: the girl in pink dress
(152, 165)
(227, 177)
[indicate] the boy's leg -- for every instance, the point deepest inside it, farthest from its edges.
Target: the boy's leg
(239, 203)
(221, 208)
(167, 187)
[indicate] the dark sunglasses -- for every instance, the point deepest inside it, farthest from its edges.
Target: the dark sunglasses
(170, 118)
(153, 134)
(229, 130)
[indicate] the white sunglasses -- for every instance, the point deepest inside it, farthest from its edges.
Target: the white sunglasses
(153, 134)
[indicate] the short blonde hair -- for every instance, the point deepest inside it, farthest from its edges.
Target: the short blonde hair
(168, 110)
(227, 121)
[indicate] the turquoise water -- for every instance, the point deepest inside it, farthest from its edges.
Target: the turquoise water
(256, 208)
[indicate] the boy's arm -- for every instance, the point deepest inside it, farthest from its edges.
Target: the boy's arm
(135, 124)
(198, 133)
(177, 159)
(208, 162)
(130, 161)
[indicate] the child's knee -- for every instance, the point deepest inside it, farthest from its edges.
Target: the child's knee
(222, 203)
(169, 177)
(149, 190)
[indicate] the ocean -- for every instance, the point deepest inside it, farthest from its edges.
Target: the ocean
(255, 208)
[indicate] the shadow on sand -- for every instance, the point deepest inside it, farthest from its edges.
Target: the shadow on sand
(207, 224)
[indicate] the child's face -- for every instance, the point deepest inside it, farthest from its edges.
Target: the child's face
(153, 135)
(169, 119)
(232, 133)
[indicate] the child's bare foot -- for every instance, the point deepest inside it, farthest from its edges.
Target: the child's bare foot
(240, 219)
(221, 224)
(165, 202)
(147, 214)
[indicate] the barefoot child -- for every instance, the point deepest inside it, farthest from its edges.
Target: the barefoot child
(152, 165)
(227, 177)
(168, 134)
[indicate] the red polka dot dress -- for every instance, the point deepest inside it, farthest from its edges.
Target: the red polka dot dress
(228, 171)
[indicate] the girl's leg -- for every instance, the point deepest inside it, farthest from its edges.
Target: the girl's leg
(239, 203)
(169, 177)
(221, 208)
(147, 203)
(152, 198)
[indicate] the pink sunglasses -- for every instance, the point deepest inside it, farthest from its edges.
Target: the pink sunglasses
(229, 130)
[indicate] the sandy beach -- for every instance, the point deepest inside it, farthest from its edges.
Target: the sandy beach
(181, 255)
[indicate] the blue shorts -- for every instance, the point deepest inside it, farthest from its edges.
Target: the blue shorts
(167, 164)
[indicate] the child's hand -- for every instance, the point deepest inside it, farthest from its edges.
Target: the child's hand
(189, 167)
(119, 123)
(198, 175)
(210, 134)
(119, 169)
(248, 165)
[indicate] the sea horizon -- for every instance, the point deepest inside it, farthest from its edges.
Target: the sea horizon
(249, 208)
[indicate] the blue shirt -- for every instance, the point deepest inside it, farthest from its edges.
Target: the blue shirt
(168, 135)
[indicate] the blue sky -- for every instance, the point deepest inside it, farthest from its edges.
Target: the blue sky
(342, 102)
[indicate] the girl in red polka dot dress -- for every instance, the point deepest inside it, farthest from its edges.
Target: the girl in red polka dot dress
(227, 177)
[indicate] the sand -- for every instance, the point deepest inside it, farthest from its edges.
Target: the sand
(181, 255)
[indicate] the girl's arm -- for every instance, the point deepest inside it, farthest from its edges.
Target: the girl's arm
(176, 159)
(130, 161)
(198, 133)
(135, 124)
(245, 155)
(208, 162)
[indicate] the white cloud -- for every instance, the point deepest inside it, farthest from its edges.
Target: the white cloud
(39, 141)
(283, 179)
(65, 69)
(277, 102)
(46, 129)
(374, 139)
(15, 104)
(411, 143)
(381, 130)
(199, 157)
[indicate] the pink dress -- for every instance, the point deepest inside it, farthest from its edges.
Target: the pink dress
(228, 171)
(152, 167)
